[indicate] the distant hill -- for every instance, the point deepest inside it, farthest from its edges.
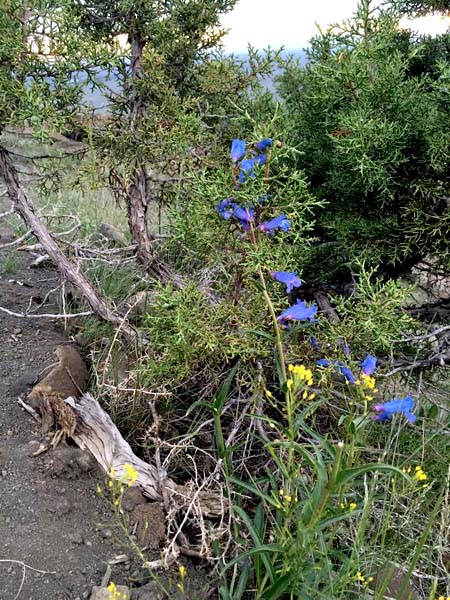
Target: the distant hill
(98, 101)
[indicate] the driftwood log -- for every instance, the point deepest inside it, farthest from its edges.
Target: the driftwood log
(96, 432)
(70, 270)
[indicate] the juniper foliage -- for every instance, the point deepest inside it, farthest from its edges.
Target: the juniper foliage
(370, 114)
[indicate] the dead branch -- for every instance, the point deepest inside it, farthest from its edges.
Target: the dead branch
(420, 338)
(22, 238)
(65, 266)
(45, 316)
(441, 359)
(97, 432)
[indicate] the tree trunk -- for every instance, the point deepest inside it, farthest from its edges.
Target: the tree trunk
(71, 271)
(137, 196)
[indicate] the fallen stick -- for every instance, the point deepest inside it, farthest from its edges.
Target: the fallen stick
(46, 315)
(96, 431)
(70, 271)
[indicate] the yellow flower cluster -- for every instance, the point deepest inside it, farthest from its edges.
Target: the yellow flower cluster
(301, 373)
(419, 474)
(444, 598)
(114, 593)
(365, 582)
(351, 506)
(367, 384)
(130, 474)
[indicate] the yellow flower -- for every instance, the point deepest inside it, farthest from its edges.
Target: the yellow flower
(301, 373)
(182, 571)
(312, 396)
(113, 592)
(352, 506)
(130, 474)
(281, 492)
(368, 382)
(419, 474)
(268, 394)
(289, 384)
(112, 472)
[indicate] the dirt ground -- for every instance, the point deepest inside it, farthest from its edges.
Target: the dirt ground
(51, 517)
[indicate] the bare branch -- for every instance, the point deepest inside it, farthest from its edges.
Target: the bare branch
(45, 316)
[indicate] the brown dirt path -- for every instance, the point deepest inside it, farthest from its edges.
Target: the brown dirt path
(51, 517)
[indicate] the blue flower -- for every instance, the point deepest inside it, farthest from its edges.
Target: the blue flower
(248, 166)
(388, 409)
(368, 365)
(228, 209)
(340, 367)
(347, 373)
(323, 362)
(314, 342)
(263, 144)
(237, 150)
(298, 312)
(245, 216)
(225, 208)
(280, 222)
(290, 280)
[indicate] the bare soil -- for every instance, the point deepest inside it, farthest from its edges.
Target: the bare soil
(51, 517)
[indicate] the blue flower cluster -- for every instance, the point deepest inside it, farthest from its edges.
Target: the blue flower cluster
(246, 215)
(368, 366)
(247, 165)
(300, 311)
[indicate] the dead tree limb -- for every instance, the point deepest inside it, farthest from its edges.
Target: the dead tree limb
(70, 271)
(96, 431)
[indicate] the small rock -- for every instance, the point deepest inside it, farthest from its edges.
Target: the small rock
(150, 591)
(106, 534)
(32, 447)
(4, 473)
(17, 331)
(391, 579)
(131, 498)
(88, 543)
(8, 520)
(75, 538)
(63, 505)
(85, 461)
(102, 593)
(150, 520)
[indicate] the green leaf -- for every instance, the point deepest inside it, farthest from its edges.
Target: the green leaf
(258, 542)
(260, 333)
(224, 390)
(347, 475)
(279, 587)
(257, 492)
(433, 412)
(262, 550)
(242, 583)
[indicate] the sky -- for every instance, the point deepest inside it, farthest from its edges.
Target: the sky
(291, 23)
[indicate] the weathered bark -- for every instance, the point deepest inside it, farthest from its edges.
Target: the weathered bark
(137, 197)
(137, 193)
(71, 271)
(96, 431)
